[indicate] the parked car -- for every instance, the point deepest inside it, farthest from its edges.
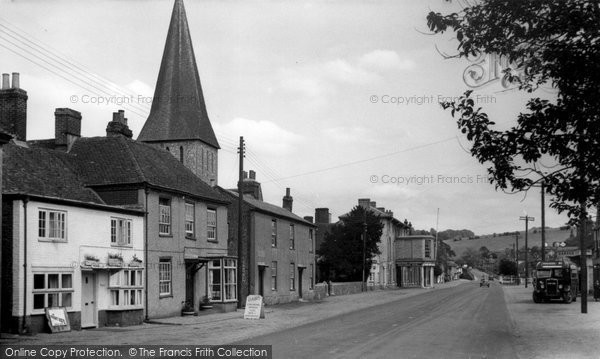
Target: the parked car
(484, 283)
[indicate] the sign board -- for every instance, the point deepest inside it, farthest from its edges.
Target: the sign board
(58, 319)
(254, 307)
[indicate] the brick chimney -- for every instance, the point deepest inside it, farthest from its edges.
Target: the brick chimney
(67, 127)
(308, 219)
(322, 215)
(251, 186)
(373, 204)
(287, 200)
(364, 202)
(118, 126)
(13, 107)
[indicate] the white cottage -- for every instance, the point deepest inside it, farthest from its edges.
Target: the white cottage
(63, 247)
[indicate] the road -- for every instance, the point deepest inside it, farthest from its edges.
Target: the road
(460, 322)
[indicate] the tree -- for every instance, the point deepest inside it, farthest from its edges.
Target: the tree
(555, 142)
(341, 252)
(471, 257)
(507, 267)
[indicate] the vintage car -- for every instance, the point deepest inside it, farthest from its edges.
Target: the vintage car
(555, 280)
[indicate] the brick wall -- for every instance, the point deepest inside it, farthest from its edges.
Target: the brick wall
(13, 112)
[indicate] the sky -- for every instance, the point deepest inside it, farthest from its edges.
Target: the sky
(337, 100)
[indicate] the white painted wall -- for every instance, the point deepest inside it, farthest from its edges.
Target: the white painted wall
(88, 232)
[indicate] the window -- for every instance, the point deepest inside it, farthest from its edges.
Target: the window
(126, 288)
(292, 241)
(164, 221)
(274, 276)
(189, 219)
(311, 284)
(211, 224)
(222, 279)
(427, 249)
(292, 276)
(164, 277)
(52, 225)
(273, 233)
(214, 280)
(230, 280)
(120, 231)
(52, 290)
(311, 247)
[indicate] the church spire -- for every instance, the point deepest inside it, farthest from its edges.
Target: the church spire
(178, 110)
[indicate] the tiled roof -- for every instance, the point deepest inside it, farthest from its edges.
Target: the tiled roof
(118, 160)
(267, 207)
(42, 172)
(178, 110)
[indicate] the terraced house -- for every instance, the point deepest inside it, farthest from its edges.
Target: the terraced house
(278, 247)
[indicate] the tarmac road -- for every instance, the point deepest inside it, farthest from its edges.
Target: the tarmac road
(458, 322)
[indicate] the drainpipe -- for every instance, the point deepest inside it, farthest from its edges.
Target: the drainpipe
(24, 324)
(146, 191)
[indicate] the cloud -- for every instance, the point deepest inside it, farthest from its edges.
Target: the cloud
(350, 135)
(385, 60)
(264, 137)
(319, 79)
(140, 88)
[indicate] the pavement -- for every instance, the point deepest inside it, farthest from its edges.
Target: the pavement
(553, 330)
(224, 328)
(544, 330)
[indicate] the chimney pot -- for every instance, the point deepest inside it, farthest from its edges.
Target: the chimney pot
(15, 80)
(373, 204)
(244, 174)
(252, 175)
(287, 191)
(5, 81)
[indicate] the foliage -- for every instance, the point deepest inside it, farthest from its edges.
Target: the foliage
(507, 267)
(471, 257)
(588, 238)
(341, 252)
(437, 270)
(548, 42)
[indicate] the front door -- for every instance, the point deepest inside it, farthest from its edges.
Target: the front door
(88, 300)
(300, 269)
(261, 281)
(190, 274)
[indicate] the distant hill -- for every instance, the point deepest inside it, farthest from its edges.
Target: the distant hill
(502, 241)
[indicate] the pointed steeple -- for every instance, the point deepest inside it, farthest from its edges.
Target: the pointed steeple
(178, 110)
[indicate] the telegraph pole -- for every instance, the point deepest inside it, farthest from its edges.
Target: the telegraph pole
(583, 258)
(364, 284)
(517, 257)
(543, 224)
(241, 151)
(526, 218)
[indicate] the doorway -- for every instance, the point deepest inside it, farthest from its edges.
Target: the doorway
(88, 300)
(190, 275)
(300, 270)
(261, 281)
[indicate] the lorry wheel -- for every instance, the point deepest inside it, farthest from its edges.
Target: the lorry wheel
(536, 298)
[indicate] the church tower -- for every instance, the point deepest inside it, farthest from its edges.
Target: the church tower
(178, 120)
